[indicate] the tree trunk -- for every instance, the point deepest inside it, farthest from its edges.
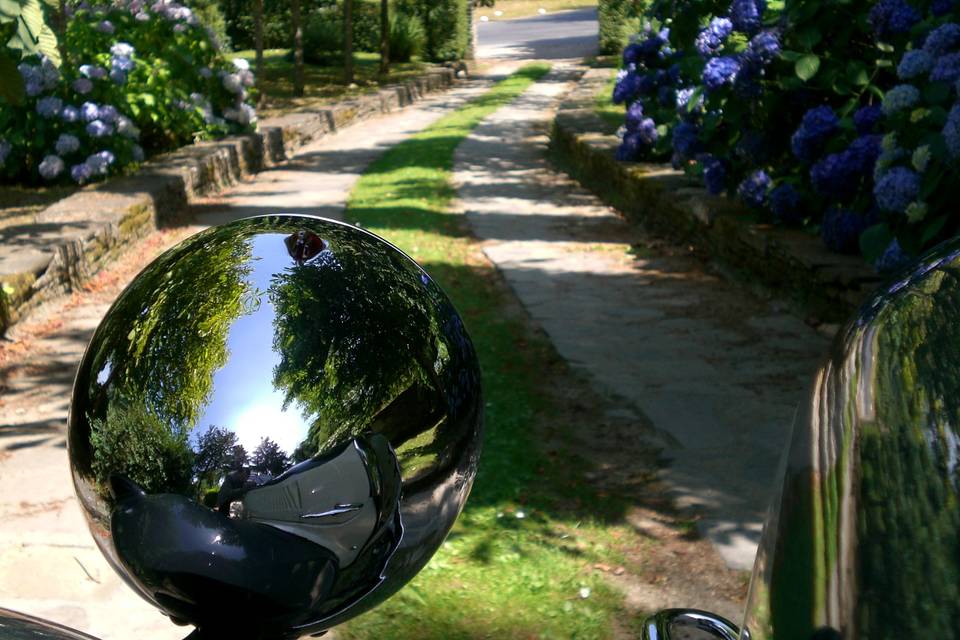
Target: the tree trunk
(348, 41)
(258, 44)
(297, 47)
(62, 31)
(384, 37)
(471, 31)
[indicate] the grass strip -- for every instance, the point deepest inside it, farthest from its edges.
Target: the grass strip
(519, 563)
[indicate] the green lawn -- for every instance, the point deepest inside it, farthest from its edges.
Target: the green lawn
(519, 562)
(322, 84)
(611, 114)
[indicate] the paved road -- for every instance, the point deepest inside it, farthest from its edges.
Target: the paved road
(555, 36)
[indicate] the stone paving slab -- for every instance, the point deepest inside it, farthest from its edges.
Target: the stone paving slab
(72, 239)
(714, 373)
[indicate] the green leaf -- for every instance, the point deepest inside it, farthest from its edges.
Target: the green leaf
(881, 64)
(936, 92)
(857, 75)
(809, 37)
(931, 228)
(9, 10)
(886, 48)
(874, 241)
(790, 56)
(807, 66)
(11, 85)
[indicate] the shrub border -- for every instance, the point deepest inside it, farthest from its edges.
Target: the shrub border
(74, 238)
(826, 285)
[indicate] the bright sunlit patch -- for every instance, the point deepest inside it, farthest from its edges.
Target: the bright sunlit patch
(264, 417)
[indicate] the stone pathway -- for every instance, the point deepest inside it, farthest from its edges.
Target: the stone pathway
(49, 565)
(714, 373)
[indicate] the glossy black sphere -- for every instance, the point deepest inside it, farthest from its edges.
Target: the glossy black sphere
(275, 426)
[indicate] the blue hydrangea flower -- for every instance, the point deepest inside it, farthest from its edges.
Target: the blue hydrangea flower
(5, 149)
(666, 96)
(137, 152)
(634, 115)
(122, 63)
(896, 189)
(648, 83)
(817, 125)
(712, 37)
(834, 176)
(83, 86)
(946, 68)
(80, 172)
(902, 96)
(747, 83)
(864, 152)
(99, 129)
(105, 26)
(50, 167)
(764, 47)
(753, 190)
(747, 15)
(686, 140)
(630, 147)
(90, 111)
(118, 76)
(914, 63)
(683, 99)
(122, 49)
(720, 71)
(98, 163)
(865, 119)
(752, 148)
(786, 204)
(841, 229)
(648, 131)
(893, 258)
(941, 7)
(951, 132)
(125, 127)
(70, 114)
(108, 113)
(892, 17)
(626, 88)
(49, 107)
(94, 72)
(943, 39)
(714, 173)
(67, 144)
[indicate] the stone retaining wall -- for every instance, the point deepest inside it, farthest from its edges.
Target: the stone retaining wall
(827, 285)
(71, 240)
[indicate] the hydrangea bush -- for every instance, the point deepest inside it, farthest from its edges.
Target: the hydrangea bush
(839, 116)
(140, 78)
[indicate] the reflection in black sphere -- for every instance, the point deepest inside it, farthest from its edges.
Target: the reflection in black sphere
(864, 541)
(275, 426)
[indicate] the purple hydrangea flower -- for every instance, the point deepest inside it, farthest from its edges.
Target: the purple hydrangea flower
(786, 204)
(943, 39)
(914, 63)
(951, 132)
(946, 68)
(648, 131)
(67, 144)
(902, 96)
(122, 49)
(90, 111)
(83, 86)
(207, 73)
(118, 76)
(817, 126)
(634, 115)
(108, 113)
(99, 129)
(753, 190)
(864, 151)
(49, 107)
(714, 173)
(628, 83)
(892, 17)
(747, 15)
(720, 71)
(865, 119)
(94, 72)
(630, 147)
(764, 47)
(70, 114)
(105, 26)
(80, 172)
(893, 258)
(841, 229)
(896, 189)
(711, 38)
(686, 140)
(50, 167)
(5, 149)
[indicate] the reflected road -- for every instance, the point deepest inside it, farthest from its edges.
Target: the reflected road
(567, 34)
